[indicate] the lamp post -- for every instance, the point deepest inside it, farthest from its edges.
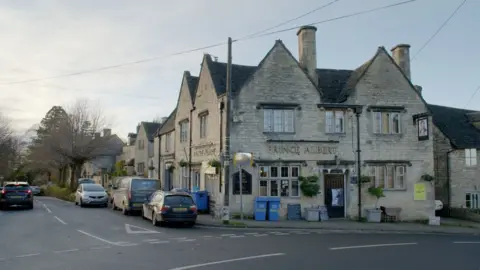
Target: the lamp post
(241, 160)
(358, 112)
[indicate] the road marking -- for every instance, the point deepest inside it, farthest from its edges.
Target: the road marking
(280, 233)
(60, 220)
(260, 234)
(150, 240)
(139, 230)
(28, 255)
(102, 247)
(372, 246)
(98, 238)
(178, 238)
(224, 235)
(299, 232)
(187, 240)
(127, 245)
(46, 208)
(466, 242)
(67, 250)
(237, 236)
(227, 261)
(160, 242)
(251, 233)
(207, 236)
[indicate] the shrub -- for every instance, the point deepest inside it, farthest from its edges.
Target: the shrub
(60, 193)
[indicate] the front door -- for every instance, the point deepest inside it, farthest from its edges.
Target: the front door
(335, 195)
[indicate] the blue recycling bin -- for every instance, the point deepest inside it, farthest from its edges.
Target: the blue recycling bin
(201, 200)
(261, 208)
(273, 208)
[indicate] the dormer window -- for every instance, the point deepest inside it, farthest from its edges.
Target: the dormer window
(334, 121)
(387, 122)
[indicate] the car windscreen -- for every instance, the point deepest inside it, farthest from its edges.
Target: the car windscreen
(93, 188)
(86, 181)
(145, 184)
(16, 187)
(178, 200)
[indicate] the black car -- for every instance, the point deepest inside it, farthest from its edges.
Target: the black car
(16, 194)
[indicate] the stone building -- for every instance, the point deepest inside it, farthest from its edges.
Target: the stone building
(456, 135)
(165, 145)
(298, 120)
(144, 149)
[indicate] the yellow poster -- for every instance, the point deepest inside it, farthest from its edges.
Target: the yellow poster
(419, 192)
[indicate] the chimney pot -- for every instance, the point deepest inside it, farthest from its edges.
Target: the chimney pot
(401, 55)
(307, 50)
(107, 132)
(418, 88)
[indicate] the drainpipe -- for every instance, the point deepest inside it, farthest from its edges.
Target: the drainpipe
(358, 111)
(190, 149)
(160, 158)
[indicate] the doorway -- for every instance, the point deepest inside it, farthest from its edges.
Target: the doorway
(335, 195)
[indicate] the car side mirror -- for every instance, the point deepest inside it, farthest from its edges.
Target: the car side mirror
(115, 187)
(110, 185)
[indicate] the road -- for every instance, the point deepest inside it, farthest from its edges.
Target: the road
(60, 235)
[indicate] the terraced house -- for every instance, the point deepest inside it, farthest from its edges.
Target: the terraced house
(145, 163)
(299, 120)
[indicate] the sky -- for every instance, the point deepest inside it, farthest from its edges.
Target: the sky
(47, 38)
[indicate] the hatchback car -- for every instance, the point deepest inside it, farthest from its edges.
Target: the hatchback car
(91, 194)
(170, 207)
(16, 194)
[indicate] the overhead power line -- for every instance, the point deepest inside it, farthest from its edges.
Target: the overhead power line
(291, 20)
(201, 48)
(473, 95)
(439, 29)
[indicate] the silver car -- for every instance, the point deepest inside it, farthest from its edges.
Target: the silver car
(91, 194)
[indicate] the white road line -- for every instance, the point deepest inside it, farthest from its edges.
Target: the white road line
(207, 236)
(67, 250)
(98, 238)
(178, 238)
(280, 233)
(466, 242)
(372, 246)
(227, 261)
(299, 232)
(102, 247)
(127, 245)
(27, 255)
(60, 220)
(187, 240)
(150, 240)
(251, 233)
(260, 234)
(46, 208)
(223, 235)
(160, 242)
(237, 236)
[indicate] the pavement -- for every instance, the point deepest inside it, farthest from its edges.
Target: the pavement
(60, 235)
(448, 226)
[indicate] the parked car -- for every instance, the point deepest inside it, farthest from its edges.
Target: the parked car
(91, 194)
(36, 190)
(130, 193)
(86, 181)
(171, 207)
(16, 194)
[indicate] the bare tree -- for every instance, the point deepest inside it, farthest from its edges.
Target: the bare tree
(11, 147)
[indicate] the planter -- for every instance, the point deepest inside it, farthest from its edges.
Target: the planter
(312, 214)
(374, 215)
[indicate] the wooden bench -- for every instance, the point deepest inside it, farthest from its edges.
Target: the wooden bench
(390, 214)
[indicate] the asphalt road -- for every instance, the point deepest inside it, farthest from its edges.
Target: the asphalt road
(59, 235)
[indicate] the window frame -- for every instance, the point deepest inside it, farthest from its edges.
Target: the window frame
(184, 172)
(331, 124)
(168, 142)
(378, 123)
(378, 177)
(203, 118)
(473, 202)
(268, 179)
(270, 124)
(471, 157)
(183, 131)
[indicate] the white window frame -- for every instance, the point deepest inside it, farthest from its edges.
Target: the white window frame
(183, 131)
(279, 120)
(379, 173)
(378, 122)
(184, 177)
(471, 157)
(266, 178)
(203, 125)
(334, 121)
(473, 202)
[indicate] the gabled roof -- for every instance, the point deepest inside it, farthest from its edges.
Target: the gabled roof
(169, 124)
(218, 71)
(107, 146)
(455, 124)
(192, 82)
(150, 129)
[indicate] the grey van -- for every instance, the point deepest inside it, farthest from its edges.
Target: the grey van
(129, 193)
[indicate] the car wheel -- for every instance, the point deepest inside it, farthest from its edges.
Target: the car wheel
(76, 203)
(81, 203)
(125, 211)
(154, 219)
(30, 206)
(105, 205)
(143, 214)
(190, 224)
(114, 208)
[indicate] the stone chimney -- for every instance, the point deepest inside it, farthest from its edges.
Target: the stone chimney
(419, 89)
(401, 55)
(307, 50)
(97, 135)
(107, 132)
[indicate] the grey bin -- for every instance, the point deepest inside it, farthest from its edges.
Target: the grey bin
(312, 214)
(323, 213)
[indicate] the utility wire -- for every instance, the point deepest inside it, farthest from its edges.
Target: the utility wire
(439, 29)
(289, 21)
(334, 19)
(471, 98)
(201, 48)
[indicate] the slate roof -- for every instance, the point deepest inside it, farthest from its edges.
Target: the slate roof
(169, 124)
(456, 126)
(240, 75)
(150, 129)
(192, 82)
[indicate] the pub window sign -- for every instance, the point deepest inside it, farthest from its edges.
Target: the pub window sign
(423, 129)
(246, 183)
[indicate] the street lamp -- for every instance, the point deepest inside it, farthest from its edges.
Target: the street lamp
(241, 160)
